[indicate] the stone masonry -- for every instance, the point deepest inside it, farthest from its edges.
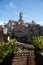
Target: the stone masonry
(24, 58)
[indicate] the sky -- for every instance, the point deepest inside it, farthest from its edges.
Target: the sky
(31, 9)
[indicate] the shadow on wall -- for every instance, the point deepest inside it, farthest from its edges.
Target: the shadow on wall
(8, 60)
(39, 59)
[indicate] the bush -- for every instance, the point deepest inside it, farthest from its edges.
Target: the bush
(6, 49)
(38, 43)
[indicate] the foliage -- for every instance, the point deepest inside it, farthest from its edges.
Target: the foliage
(38, 42)
(6, 49)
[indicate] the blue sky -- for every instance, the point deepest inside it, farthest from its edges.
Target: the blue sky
(32, 10)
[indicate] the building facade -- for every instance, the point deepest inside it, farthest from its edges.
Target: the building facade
(24, 31)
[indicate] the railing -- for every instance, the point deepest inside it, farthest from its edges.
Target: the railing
(29, 54)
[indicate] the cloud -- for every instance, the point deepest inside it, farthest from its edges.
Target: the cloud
(2, 22)
(11, 4)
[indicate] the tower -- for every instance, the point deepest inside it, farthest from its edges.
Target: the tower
(20, 16)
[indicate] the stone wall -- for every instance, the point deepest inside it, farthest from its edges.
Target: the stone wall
(19, 61)
(26, 58)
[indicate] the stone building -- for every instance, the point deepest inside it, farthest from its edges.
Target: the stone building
(24, 31)
(41, 30)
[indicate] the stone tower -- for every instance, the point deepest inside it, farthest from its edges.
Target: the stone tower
(20, 16)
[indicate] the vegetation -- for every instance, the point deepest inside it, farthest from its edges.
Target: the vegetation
(6, 49)
(38, 43)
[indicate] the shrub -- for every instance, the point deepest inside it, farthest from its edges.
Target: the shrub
(6, 49)
(38, 43)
